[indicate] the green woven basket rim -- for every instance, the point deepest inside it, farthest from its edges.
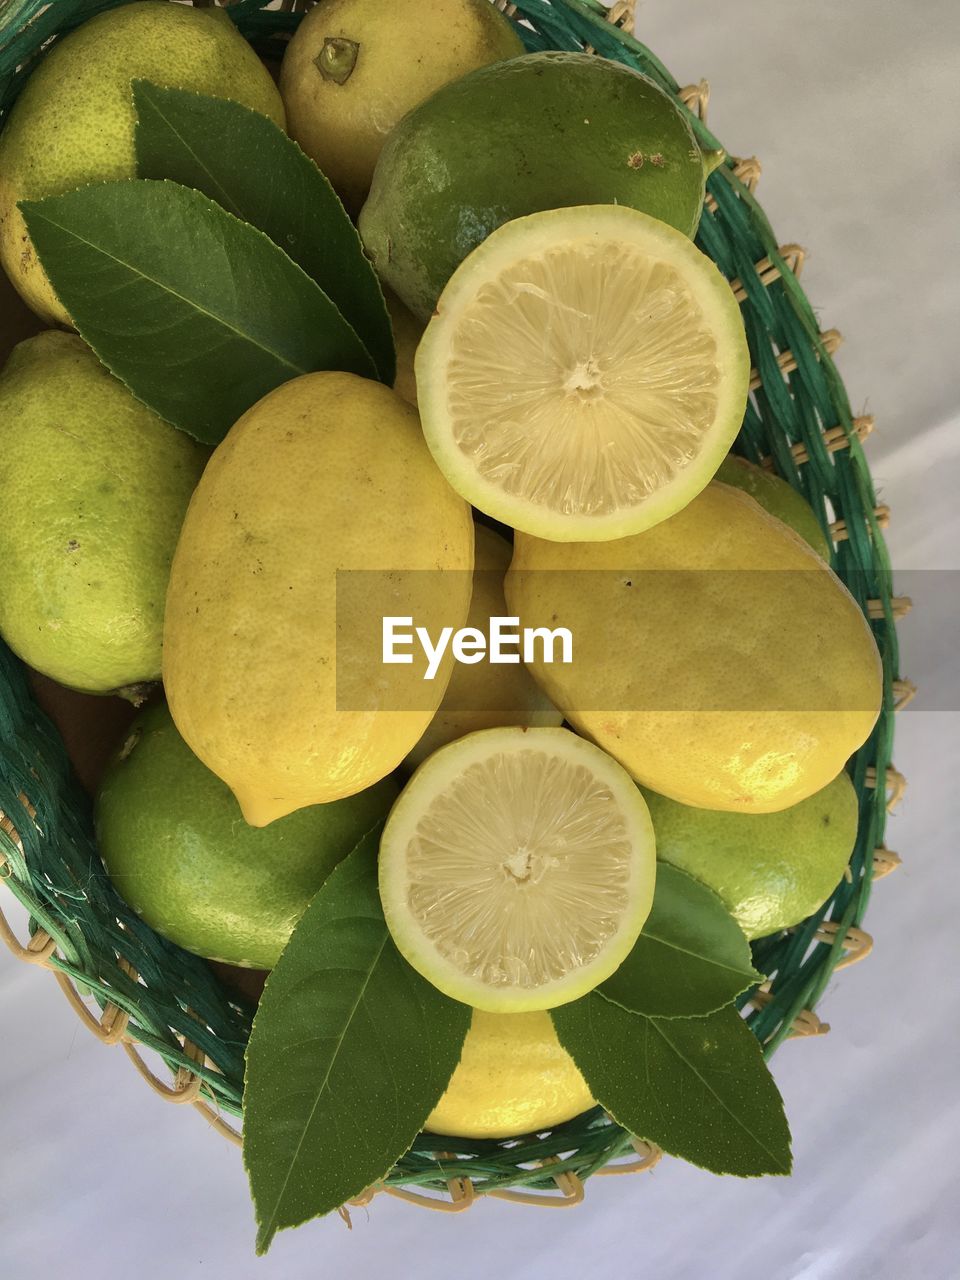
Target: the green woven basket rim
(798, 423)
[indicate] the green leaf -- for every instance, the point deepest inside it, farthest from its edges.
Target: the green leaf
(197, 312)
(697, 1087)
(249, 166)
(691, 958)
(350, 1051)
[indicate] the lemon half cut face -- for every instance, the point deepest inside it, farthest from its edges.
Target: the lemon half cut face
(517, 868)
(584, 375)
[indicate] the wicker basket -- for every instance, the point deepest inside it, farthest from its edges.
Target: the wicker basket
(168, 1009)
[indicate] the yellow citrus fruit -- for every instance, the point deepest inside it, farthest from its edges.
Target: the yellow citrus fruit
(771, 870)
(584, 375)
(716, 656)
(514, 1077)
(777, 497)
(517, 868)
(74, 122)
(299, 538)
(175, 845)
(97, 487)
(355, 67)
(486, 695)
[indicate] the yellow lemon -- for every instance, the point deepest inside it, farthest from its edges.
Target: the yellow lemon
(514, 1077)
(301, 535)
(715, 656)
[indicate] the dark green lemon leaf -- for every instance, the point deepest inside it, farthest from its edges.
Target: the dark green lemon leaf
(249, 166)
(198, 313)
(697, 1087)
(690, 959)
(350, 1051)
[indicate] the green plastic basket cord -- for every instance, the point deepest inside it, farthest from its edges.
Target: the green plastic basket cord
(798, 421)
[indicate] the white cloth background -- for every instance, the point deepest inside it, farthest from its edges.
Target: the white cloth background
(853, 110)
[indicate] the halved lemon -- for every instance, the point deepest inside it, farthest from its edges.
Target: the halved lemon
(517, 868)
(584, 375)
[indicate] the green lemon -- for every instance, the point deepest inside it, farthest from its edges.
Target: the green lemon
(772, 870)
(544, 131)
(178, 850)
(98, 486)
(74, 122)
(777, 497)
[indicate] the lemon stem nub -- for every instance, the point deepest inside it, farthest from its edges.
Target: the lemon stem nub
(337, 59)
(713, 160)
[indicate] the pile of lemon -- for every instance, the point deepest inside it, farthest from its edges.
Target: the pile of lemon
(572, 374)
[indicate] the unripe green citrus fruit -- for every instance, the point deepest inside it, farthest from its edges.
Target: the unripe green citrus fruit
(771, 870)
(544, 131)
(777, 497)
(178, 850)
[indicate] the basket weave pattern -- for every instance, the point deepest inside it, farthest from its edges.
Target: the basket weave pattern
(166, 1007)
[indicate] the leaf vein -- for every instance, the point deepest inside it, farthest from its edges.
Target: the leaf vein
(174, 293)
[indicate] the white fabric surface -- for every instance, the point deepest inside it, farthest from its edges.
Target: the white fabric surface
(852, 108)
